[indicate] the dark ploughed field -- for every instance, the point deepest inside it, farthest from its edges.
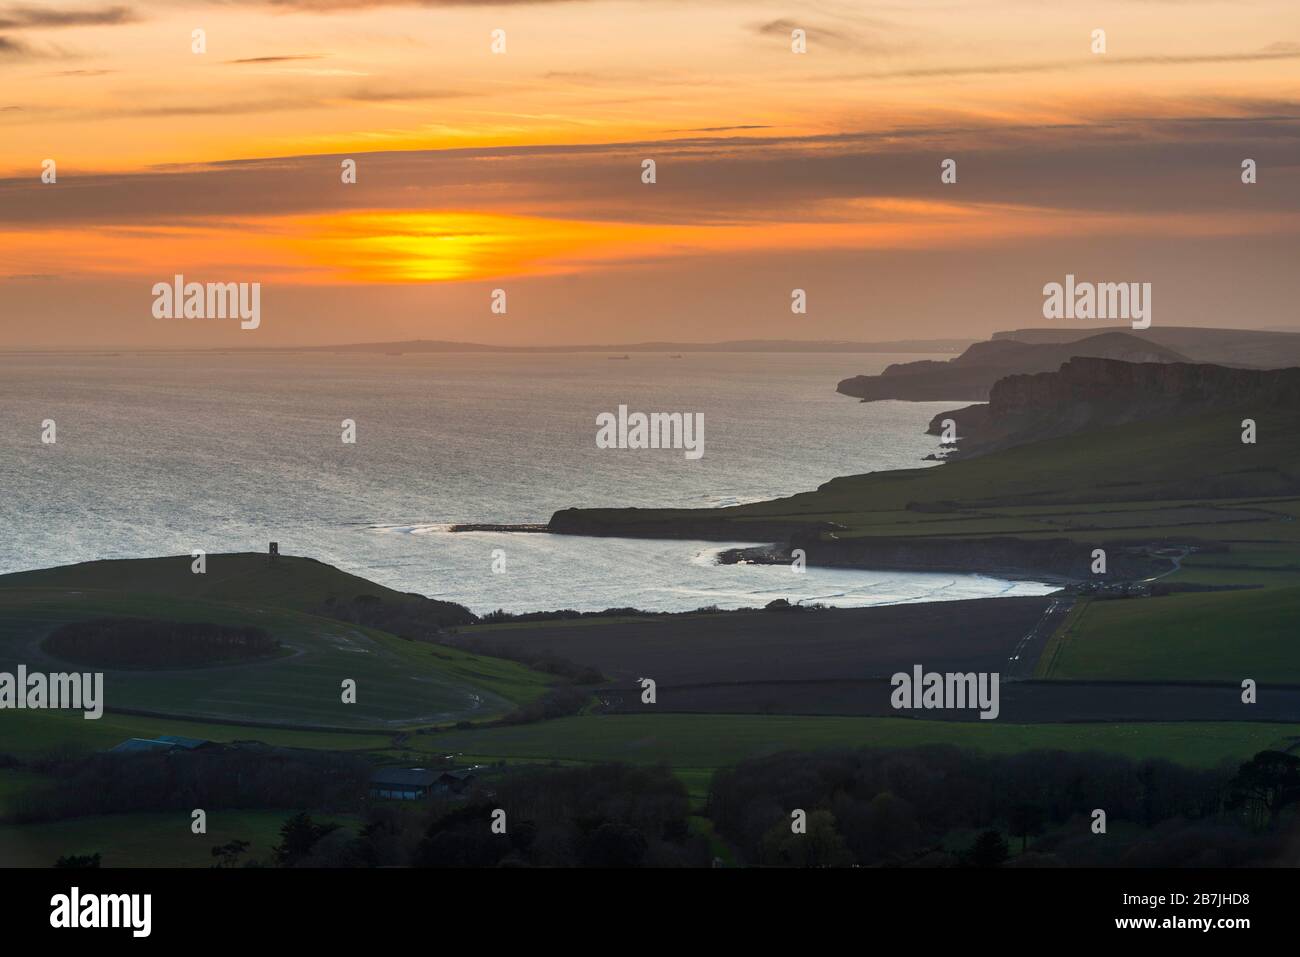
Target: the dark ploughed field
(789, 662)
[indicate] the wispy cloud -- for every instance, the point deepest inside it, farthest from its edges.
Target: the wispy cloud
(21, 17)
(11, 49)
(1277, 51)
(722, 129)
(334, 6)
(286, 58)
(847, 37)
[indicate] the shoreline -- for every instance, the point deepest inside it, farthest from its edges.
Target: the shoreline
(775, 554)
(532, 529)
(992, 558)
(1050, 561)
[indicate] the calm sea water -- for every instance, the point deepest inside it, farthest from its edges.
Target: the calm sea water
(160, 454)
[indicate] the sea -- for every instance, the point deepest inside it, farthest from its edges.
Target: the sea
(160, 454)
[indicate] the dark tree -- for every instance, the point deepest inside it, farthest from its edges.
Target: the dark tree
(227, 855)
(1026, 820)
(463, 838)
(615, 845)
(1265, 785)
(298, 836)
(989, 850)
(78, 860)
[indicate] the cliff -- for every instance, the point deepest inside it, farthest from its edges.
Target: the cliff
(973, 374)
(1088, 393)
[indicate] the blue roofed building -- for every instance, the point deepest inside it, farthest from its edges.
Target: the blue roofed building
(162, 743)
(138, 745)
(412, 784)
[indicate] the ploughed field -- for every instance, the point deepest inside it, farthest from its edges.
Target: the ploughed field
(827, 661)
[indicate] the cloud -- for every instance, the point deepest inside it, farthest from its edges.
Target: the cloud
(721, 129)
(1141, 166)
(11, 49)
(335, 6)
(20, 17)
(245, 107)
(819, 34)
(381, 95)
(1275, 51)
(286, 58)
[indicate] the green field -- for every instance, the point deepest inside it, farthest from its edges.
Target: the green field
(693, 745)
(399, 683)
(713, 741)
(145, 840)
(31, 734)
(1194, 637)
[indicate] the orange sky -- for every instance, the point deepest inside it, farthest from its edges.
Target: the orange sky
(522, 170)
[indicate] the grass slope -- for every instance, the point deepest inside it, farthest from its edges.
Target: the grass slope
(399, 682)
(294, 583)
(145, 840)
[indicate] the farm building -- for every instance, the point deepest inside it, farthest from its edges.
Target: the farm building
(412, 784)
(163, 742)
(131, 745)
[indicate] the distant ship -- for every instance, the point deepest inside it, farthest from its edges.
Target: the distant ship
(675, 356)
(618, 357)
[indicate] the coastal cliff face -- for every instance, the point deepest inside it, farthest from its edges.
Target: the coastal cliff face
(1107, 382)
(1088, 393)
(973, 374)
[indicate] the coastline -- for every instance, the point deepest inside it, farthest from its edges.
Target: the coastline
(1049, 563)
(1053, 561)
(775, 554)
